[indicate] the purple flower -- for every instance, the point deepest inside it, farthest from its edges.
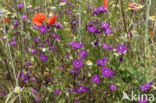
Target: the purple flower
(58, 25)
(104, 25)
(77, 63)
(95, 79)
(3, 93)
(19, 5)
(142, 100)
(112, 86)
(105, 71)
(101, 9)
(33, 91)
(82, 53)
(43, 58)
(91, 29)
(105, 46)
(77, 45)
(32, 50)
(81, 88)
(32, 79)
(121, 48)
(74, 70)
(42, 28)
(27, 63)
(56, 37)
(24, 17)
(102, 62)
(108, 31)
(145, 87)
(12, 42)
(36, 98)
(57, 91)
(37, 38)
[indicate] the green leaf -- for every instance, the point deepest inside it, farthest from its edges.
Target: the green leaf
(62, 100)
(12, 101)
(131, 70)
(8, 97)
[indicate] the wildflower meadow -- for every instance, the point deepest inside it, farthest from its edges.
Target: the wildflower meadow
(77, 51)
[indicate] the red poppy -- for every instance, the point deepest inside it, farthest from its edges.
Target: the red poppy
(51, 19)
(6, 19)
(150, 32)
(38, 18)
(105, 3)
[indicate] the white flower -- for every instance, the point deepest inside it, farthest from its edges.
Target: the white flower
(53, 7)
(152, 18)
(117, 54)
(62, 3)
(44, 49)
(17, 89)
(50, 14)
(89, 63)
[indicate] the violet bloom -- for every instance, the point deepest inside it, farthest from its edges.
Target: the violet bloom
(105, 46)
(145, 87)
(74, 70)
(95, 79)
(2, 93)
(121, 48)
(56, 37)
(77, 45)
(32, 51)
(27, 63)
(104, 25)
(102, 62)
(112, 86)
(81, 88)
(43, 58)
(101, 9)
(77, 63)
(24, 17)
(36, 98)
(57, 91)
(142, 100)
(108, 31)
(12, 42)
(15, 22)
(105, 71)
(42, 28)
(91, 29)
(32, 79)
(37, 38)
(82, 53)
(58, 25)
(33, 91)
(19, 5)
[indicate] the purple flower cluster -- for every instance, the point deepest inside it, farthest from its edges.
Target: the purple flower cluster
(57, 91)
(108, 47)
(97, 27)
(101, 9)
(42, 28)
(146, 86)
(121, 48)
(75, 45)
(142, 100)
(56, 37)
(82, 53)
(105, 71)
(19, 5)
(102, 61)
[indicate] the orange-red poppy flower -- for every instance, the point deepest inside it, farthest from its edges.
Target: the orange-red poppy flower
(38, 18)
(150, 32)
(51, 19)
(6, 19)
(105, 3)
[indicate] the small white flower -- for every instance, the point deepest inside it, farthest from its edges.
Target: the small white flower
(62, 3)
(89, 63)
(152, 18)
(17, 89)
(50, 14)
(53, 7)
(117, 54)
(65, 23)
(44, 49)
